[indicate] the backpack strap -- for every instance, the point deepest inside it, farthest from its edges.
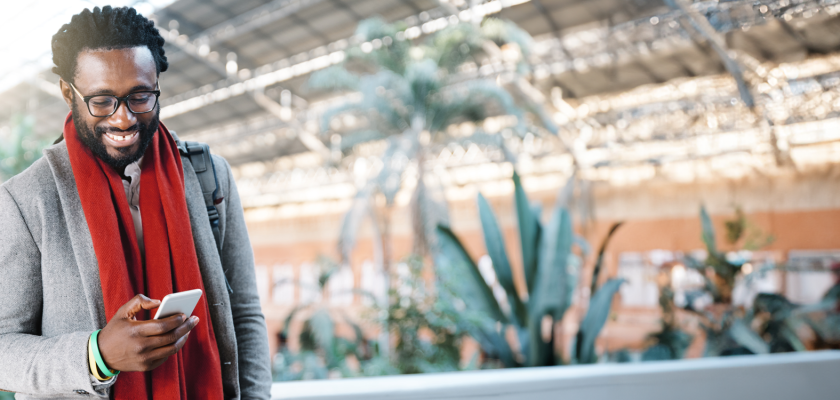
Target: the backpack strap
(199, 156)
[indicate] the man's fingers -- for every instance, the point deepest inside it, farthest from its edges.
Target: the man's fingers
(137, 303)
(169, 350)
(157, 327)
(174, 336)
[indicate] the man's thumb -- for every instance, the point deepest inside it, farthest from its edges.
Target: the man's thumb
(139, 302)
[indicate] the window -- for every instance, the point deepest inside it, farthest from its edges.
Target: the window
(640, 288)
(310, 292)
(283, 277)
(262, 282)
(340, 287)
(809, 274)
(373, 284)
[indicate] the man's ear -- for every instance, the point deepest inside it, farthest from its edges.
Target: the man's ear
(66, 92)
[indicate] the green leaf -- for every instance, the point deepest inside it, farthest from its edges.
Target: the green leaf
(470, 101)
(833, 293)
(778, 306)
(583, 245)
(658, 352)
(744, 336)
(357, 330)
(789, 334)
(573, 268)
(593, 322)
(288, 321)
(455, 45)
(393, 56)
(496, 249)
(494, 343)
(528, 232)
(424, 79)
(333, 78)
(452, 255)
(549, 295)
(597, 270)
(322, 330)
(502, 32)
(538, 351)
(708, 231)
(827, 327)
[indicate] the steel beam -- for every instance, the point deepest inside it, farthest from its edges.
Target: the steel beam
(253, 19)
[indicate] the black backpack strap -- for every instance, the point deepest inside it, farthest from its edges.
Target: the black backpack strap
(205, 171)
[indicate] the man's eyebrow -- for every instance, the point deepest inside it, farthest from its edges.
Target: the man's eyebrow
(132, 90)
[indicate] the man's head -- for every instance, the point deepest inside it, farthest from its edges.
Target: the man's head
(110, 51)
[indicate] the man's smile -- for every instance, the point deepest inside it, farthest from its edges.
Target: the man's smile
(121, 139)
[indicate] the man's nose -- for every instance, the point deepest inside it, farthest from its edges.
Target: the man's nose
(123, 118)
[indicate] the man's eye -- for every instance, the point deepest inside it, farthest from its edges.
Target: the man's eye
(140, 98)
(102, 102)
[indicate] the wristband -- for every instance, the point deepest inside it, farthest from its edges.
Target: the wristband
(94, 343)
(93, 369)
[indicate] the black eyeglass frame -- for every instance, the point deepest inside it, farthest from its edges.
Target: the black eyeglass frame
(123, 99)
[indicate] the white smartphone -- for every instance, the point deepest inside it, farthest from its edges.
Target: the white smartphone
(178, 303)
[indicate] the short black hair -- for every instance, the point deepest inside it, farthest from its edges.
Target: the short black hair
(107, 28)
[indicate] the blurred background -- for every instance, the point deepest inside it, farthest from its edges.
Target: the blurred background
(466, 184)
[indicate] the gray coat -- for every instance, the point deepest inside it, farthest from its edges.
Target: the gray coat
(51, 296)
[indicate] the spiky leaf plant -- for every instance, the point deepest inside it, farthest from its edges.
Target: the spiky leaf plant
(550, 275)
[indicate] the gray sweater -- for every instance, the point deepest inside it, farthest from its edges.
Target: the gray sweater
(51, 296)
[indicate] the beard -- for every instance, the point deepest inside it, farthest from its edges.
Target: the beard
(92, 139)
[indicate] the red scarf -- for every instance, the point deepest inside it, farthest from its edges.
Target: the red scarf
(171, 261)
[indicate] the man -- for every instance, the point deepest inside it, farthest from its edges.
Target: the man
(110, 219)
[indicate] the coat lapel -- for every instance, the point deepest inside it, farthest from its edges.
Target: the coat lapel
(77, 227)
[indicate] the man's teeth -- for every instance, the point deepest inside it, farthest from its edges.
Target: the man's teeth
(121, 138)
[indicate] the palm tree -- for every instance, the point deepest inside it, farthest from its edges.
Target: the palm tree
(410, 93)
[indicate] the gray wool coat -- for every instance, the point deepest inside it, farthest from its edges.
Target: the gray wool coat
(51, 296)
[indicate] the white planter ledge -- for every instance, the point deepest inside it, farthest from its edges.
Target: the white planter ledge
(791, 376)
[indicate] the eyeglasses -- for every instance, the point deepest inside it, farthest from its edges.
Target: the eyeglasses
(105, 105)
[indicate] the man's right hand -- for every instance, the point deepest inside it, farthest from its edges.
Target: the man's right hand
(127, 344)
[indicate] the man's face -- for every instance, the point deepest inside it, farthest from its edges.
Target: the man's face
(123, 137)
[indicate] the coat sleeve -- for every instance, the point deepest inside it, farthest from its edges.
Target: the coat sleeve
(30, 363)
(248, 320)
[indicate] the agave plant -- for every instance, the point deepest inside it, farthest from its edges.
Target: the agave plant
(410, 93)
(550, 273)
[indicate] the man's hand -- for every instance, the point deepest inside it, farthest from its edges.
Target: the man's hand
(130, 345)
